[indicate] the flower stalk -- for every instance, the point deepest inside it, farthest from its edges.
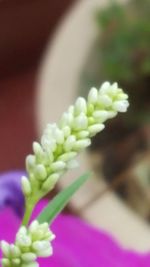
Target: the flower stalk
(61, 142)
(52, 157)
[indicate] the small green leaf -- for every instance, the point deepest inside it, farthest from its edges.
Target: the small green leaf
(59, 202)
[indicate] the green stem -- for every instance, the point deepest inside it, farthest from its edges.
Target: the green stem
(29, 206)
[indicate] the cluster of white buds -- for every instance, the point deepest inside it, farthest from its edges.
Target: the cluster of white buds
(61, 142)
(31, 243)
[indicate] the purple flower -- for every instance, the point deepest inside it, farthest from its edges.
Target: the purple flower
(10, 191)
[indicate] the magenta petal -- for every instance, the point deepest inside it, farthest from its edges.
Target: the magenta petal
(9, 224)
(78, 244)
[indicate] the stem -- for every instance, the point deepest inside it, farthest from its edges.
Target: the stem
(29, 206)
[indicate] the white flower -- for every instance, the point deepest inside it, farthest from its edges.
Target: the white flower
(61, 142)
(31, 243)
(56, 153)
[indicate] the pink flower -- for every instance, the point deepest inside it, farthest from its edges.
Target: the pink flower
(77, 244)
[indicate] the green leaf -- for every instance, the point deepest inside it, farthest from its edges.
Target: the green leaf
(59, 202)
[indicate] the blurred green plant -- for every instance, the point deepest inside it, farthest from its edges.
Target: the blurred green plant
(121, 52)
(125, 40)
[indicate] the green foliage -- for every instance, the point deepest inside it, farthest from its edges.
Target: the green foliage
(125, 40)
(60, 201)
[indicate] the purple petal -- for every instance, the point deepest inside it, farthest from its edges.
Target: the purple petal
(10, 191)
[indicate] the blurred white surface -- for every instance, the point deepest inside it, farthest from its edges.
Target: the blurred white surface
(57, 87)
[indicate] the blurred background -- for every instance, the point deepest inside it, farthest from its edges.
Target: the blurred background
(52, 51)
(25, 27)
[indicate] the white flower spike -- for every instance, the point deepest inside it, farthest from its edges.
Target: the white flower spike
(54, 155)
(31, 243)
(61, 142)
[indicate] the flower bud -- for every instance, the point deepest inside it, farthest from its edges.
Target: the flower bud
(100, 115)
(114, 89)
(45, 253)
(80, 122)
(71, 109)
(80, 106)
(14, 251)
(49, 145)
(23, 240)
(5, 248)
(50, 182)
(104, 100)
(66, 130)
(6, 262)
(68, 145)
(33, 227)
(26, 186)
(79, 145)
(93, 96)
(39, 246)
(30, 163)
(105, 88)
(38, 150)
(29, 257)
(112, 114)
(40, 172)
(67, 120)
(82, 134)
(58, 166)
(30, 243)
(16, 262)
(94, 129)
(67, 156)
(33, 264)
(59, 136)
(91, 121)
(121, 105)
